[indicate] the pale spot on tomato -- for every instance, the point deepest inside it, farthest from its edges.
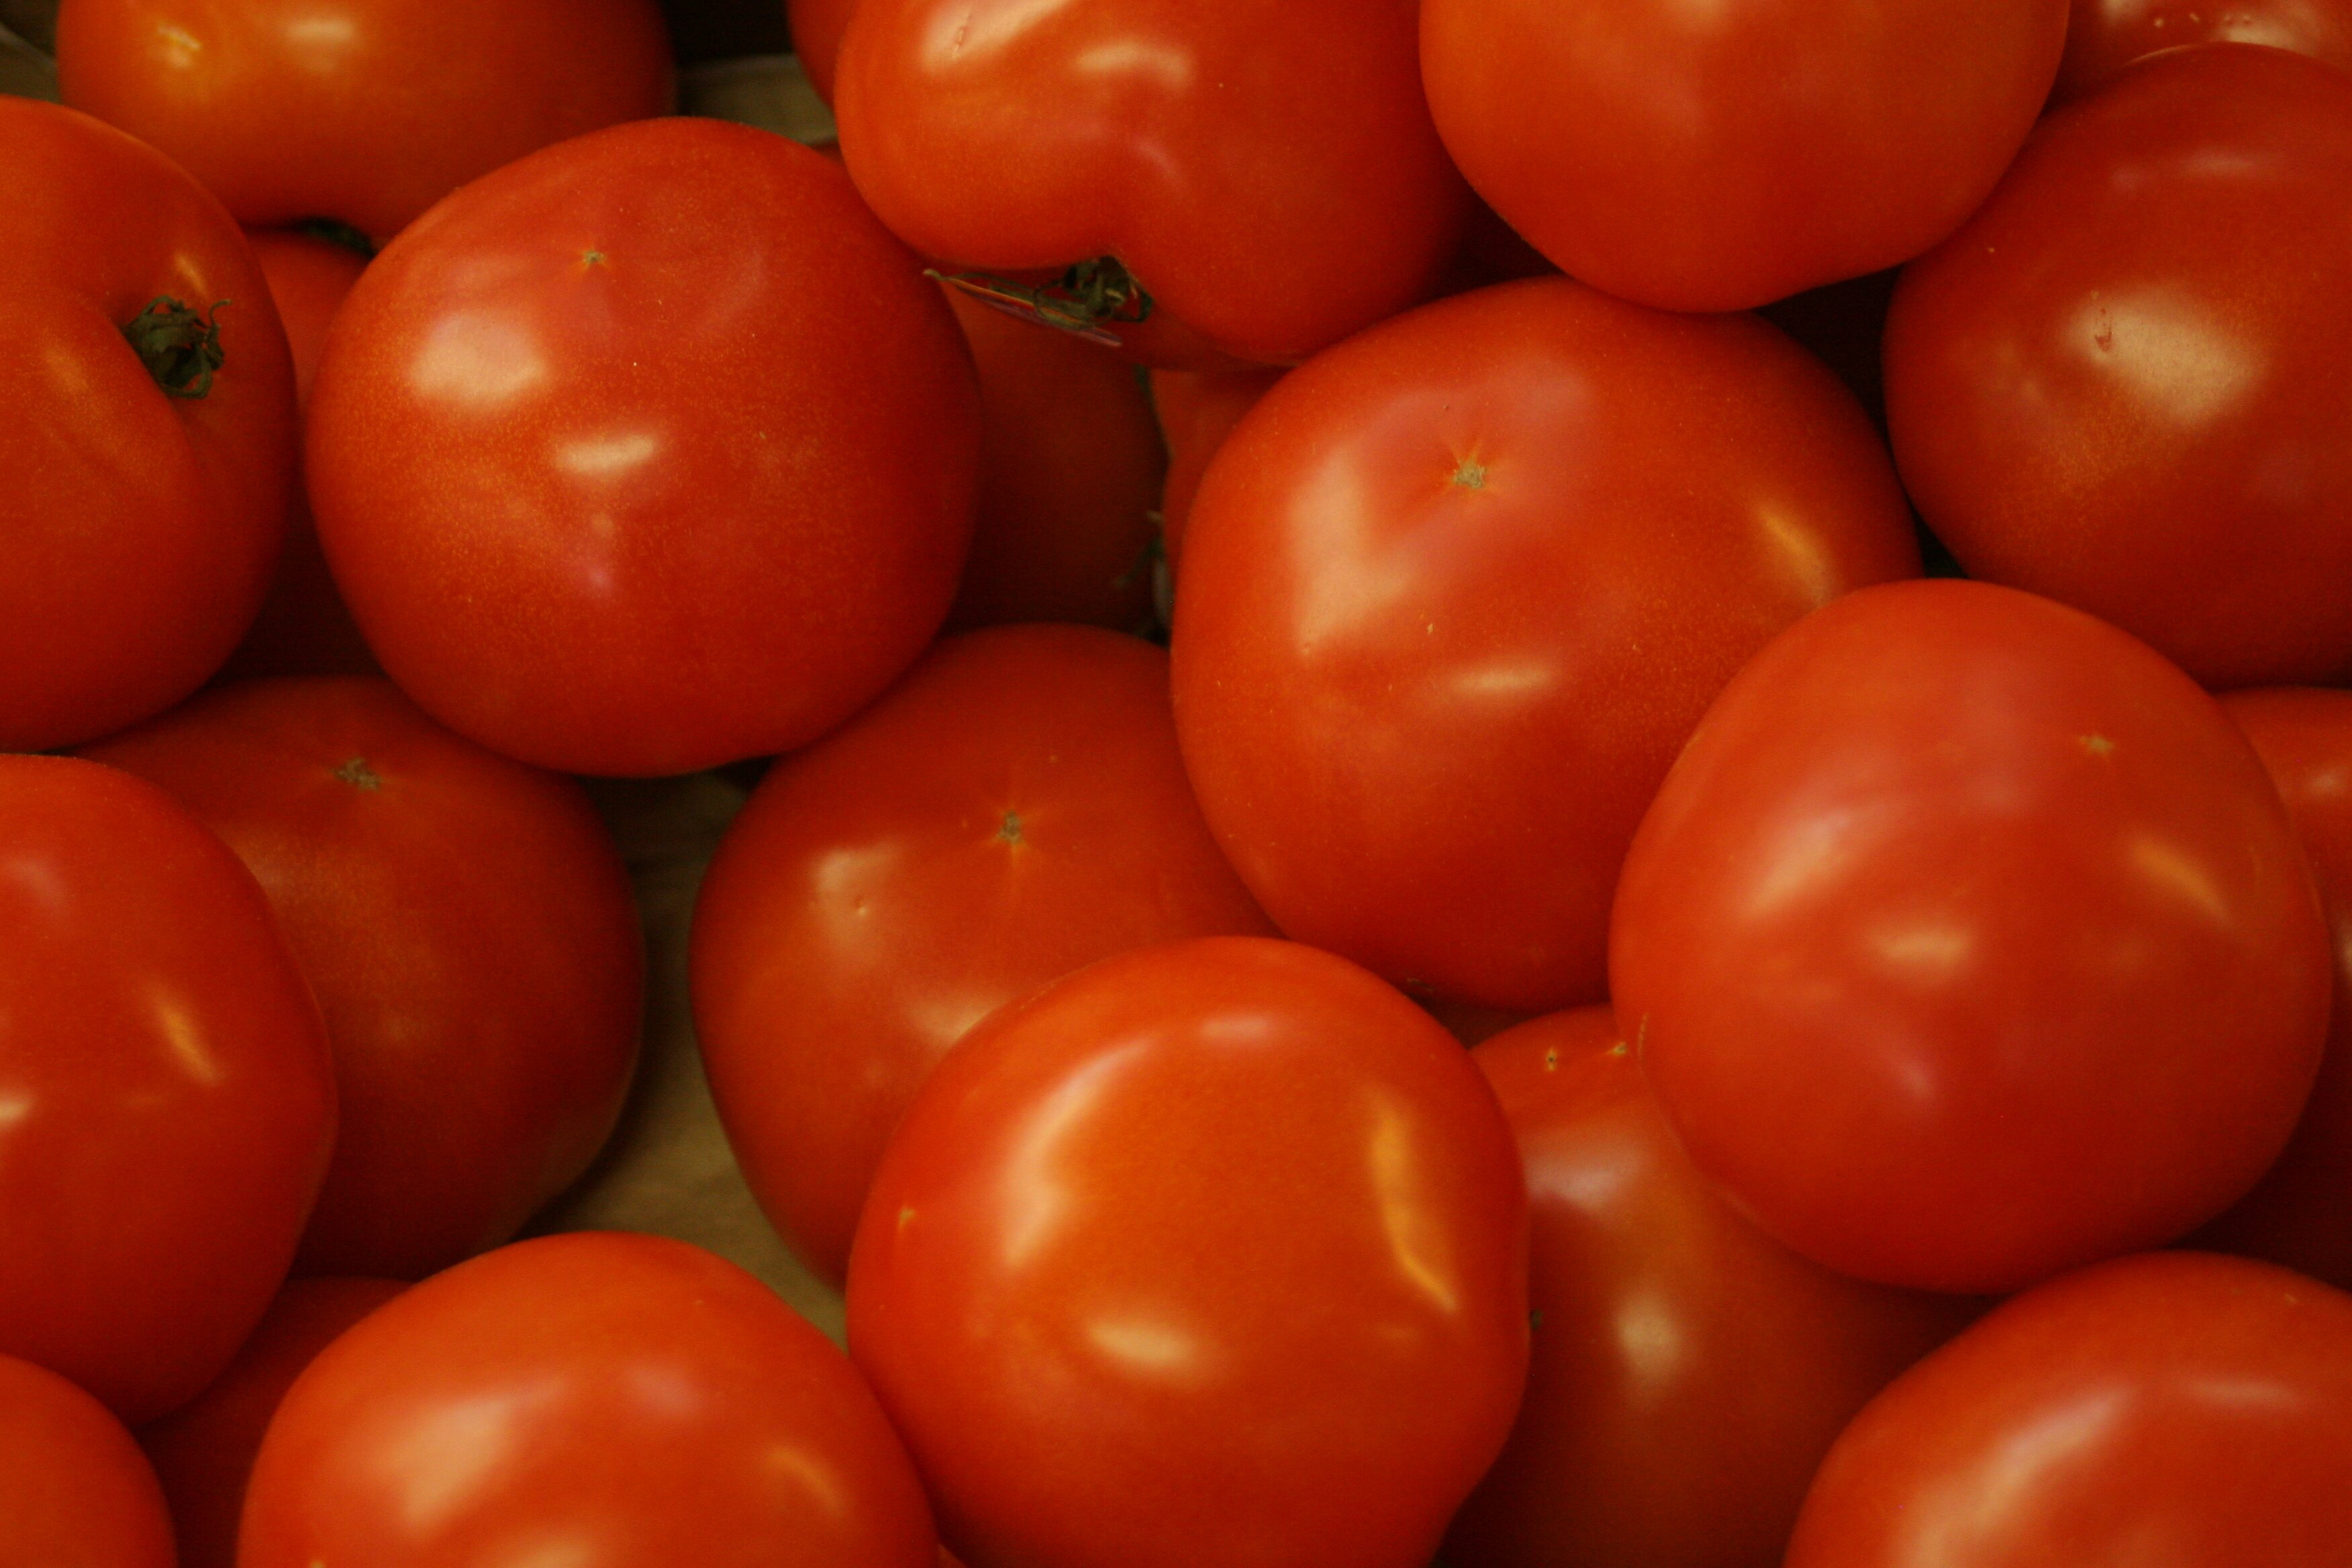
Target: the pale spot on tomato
(359, 775)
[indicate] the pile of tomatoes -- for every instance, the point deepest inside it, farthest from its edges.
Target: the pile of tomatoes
(1781, 574)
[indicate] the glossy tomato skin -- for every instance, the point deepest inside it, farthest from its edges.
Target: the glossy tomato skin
(172, 1100)
(2300, 1214)
(1967, 941)
(468, 927)
(2103, 36)
(1716, 157)
(1070, 467)
(1013, 810)
(2173, 1407)
(1223, 1245)
(75, 1493)
(1002, 137)
(649, 452)
(367, 112)
(203, 1453)
(142, 526)
(637, 1401)
(1444, 613)
(2125, 384)
(1688, 1372)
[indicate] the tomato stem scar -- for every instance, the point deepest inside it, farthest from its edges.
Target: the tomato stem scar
(180, 349)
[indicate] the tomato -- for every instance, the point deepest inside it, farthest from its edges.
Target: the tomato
(2172, 1408)
(816, 28)
(166, 1100)
(1197, 410)
(2125, 383)
(367, 112)
(1013, 810)
(1688, 1372)
(1214, 1252)
(711, 436)
(303, 627)
(468, 928)
(204, 1454)
(1070, 469)
(2299, 1216)
(74, 1491)
(1967, 941)
(140, 522)
(1264, 170)
(625, 1401)
(1444, 615)
(2105, 35)
(1713, 157)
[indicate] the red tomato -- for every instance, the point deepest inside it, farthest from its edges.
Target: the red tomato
(166, 1099)
(1197, 410)
(625, 1401)
(1070, 467)
(712, 438)
(2301, 1213)
(204, 1454)
(1967, 941)
(1688, 1372)
(74, 1491)
(816, 28)
(2174, 1408)
(469, 929)
(1214, 1252)
(303, 627)
(1445, 614)
(2105, 35)
(1265, 169)
(2127, 383)
(364, 111)
(142, 524)
(1013, 810)
(1712, 157)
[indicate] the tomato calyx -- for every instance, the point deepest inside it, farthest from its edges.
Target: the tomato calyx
(1085, 300)
(181, 349)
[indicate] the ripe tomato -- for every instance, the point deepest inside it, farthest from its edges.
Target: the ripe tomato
(1713, 157)
(1444, 615)
(1197, 410)
(2127, 382)
(1013, 810)
(142, 522)
(469, 933)
(1688, 1372)
(2173, 1408)
(367, 112)
(1967, 941)
(625, 1401)
(816, 29)
(711, 438)
(166, 1099)
(1264, 170)
(74, 1490)
(2299, 1215)
(1214, 1252)
(2105, 35)
(203, 1453)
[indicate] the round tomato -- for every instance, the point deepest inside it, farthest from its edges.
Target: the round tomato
(1013, 810)
(1197, 410)
(2174, 1408)
(1967, 941)
(1712, 157)
(1264, 171)
(74, 1490)
(646, 453)
(2127, 383)
(1688, 1372)
(625, 1401)
(1214, 1252)
(166, 1099)
(816, 29)
(2105, 35)
(469, 929)
(1444, 613)
(204, 1453)
(149, 446)
(367, 112)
